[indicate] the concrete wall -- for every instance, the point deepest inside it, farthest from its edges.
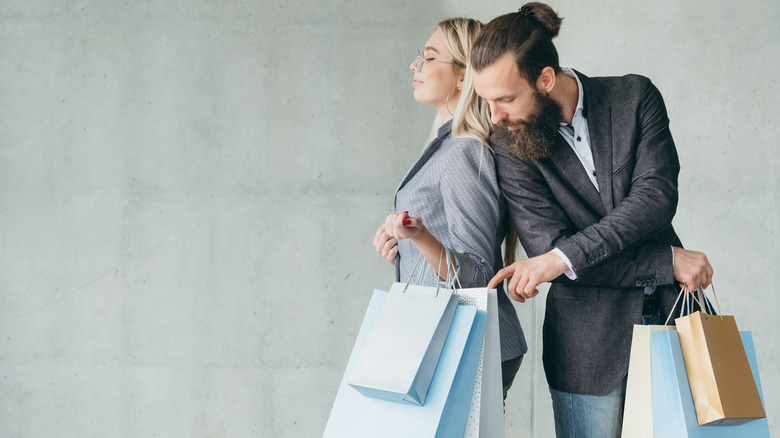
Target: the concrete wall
(188, 193)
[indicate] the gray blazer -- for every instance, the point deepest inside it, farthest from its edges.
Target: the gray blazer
(454, 189)
(618, 239)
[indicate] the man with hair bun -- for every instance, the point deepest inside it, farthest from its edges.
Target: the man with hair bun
(589, 170)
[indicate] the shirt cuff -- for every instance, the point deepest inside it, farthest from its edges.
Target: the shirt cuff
(569, 272)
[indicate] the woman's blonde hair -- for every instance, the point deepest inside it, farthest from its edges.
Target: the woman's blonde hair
(472, 114)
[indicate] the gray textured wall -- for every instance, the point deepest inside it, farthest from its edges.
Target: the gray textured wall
(189, 189)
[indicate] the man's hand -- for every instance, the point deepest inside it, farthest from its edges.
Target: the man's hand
(528, 274)
(692, 269)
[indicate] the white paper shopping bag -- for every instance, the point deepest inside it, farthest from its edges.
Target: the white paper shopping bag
(403, 347)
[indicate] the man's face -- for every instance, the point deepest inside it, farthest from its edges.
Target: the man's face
(510, 97)
(531, 117)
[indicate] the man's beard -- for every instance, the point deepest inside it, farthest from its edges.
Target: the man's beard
(533, 138)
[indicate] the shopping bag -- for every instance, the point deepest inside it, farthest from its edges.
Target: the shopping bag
(447, 403)
(401, 351)
(674, 414)
(638, 412)
(719, 374)
(486, 411)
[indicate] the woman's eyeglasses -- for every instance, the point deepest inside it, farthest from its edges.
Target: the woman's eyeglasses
(421, 60)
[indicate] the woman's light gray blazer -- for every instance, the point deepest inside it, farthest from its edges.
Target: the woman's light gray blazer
(453, 188)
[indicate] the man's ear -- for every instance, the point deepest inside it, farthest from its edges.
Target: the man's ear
(546, 80)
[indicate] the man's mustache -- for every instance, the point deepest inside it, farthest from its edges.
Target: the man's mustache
(508, 123)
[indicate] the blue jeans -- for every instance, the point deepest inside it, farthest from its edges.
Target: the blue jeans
(593, 416)
(653, 320)
(589, 416)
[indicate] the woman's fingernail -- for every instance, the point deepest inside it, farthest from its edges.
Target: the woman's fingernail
(406, 212)
(407, 222)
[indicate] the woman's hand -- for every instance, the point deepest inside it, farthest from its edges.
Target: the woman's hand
(385, 245)
(397, 226)
(402, 226)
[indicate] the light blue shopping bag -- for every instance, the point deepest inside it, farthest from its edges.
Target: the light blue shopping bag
(446, 407)
(674, 414)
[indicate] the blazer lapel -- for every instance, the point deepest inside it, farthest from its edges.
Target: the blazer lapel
(599, 116)
(424, 157)
(572, 171)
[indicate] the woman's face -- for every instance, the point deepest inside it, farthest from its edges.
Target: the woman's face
(438, 78)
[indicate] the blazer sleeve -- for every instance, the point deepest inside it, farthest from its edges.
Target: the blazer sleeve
(651, 202)
(471, 199)
(541, 223)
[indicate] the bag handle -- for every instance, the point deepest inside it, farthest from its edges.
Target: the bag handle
(702, 299)
(685, 306)
(451, 278)
(417, 263)
(687, 303)
(683, 289)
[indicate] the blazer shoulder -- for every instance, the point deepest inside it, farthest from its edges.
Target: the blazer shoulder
(500, 143)
(620, 87)
(466, 148)
(626, 94)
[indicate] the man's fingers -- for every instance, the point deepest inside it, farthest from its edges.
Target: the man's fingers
(710, 273)
(512, 283)
(500, 276)
(529, 289)
(522, 281)
(516, 297)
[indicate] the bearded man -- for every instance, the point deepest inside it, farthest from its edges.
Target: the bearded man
(589, 170)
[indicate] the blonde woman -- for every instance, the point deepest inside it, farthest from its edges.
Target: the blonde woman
(450, 197)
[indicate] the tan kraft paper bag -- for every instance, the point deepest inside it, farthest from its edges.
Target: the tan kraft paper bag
(724, 391)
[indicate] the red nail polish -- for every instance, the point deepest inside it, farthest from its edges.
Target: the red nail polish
(406, 212)
(407, 222)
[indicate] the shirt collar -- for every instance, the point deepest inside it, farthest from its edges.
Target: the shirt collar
(581, 99)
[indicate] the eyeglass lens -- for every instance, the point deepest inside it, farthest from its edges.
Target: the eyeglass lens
(420, 61)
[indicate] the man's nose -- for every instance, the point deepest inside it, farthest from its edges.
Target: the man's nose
(496, 115)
